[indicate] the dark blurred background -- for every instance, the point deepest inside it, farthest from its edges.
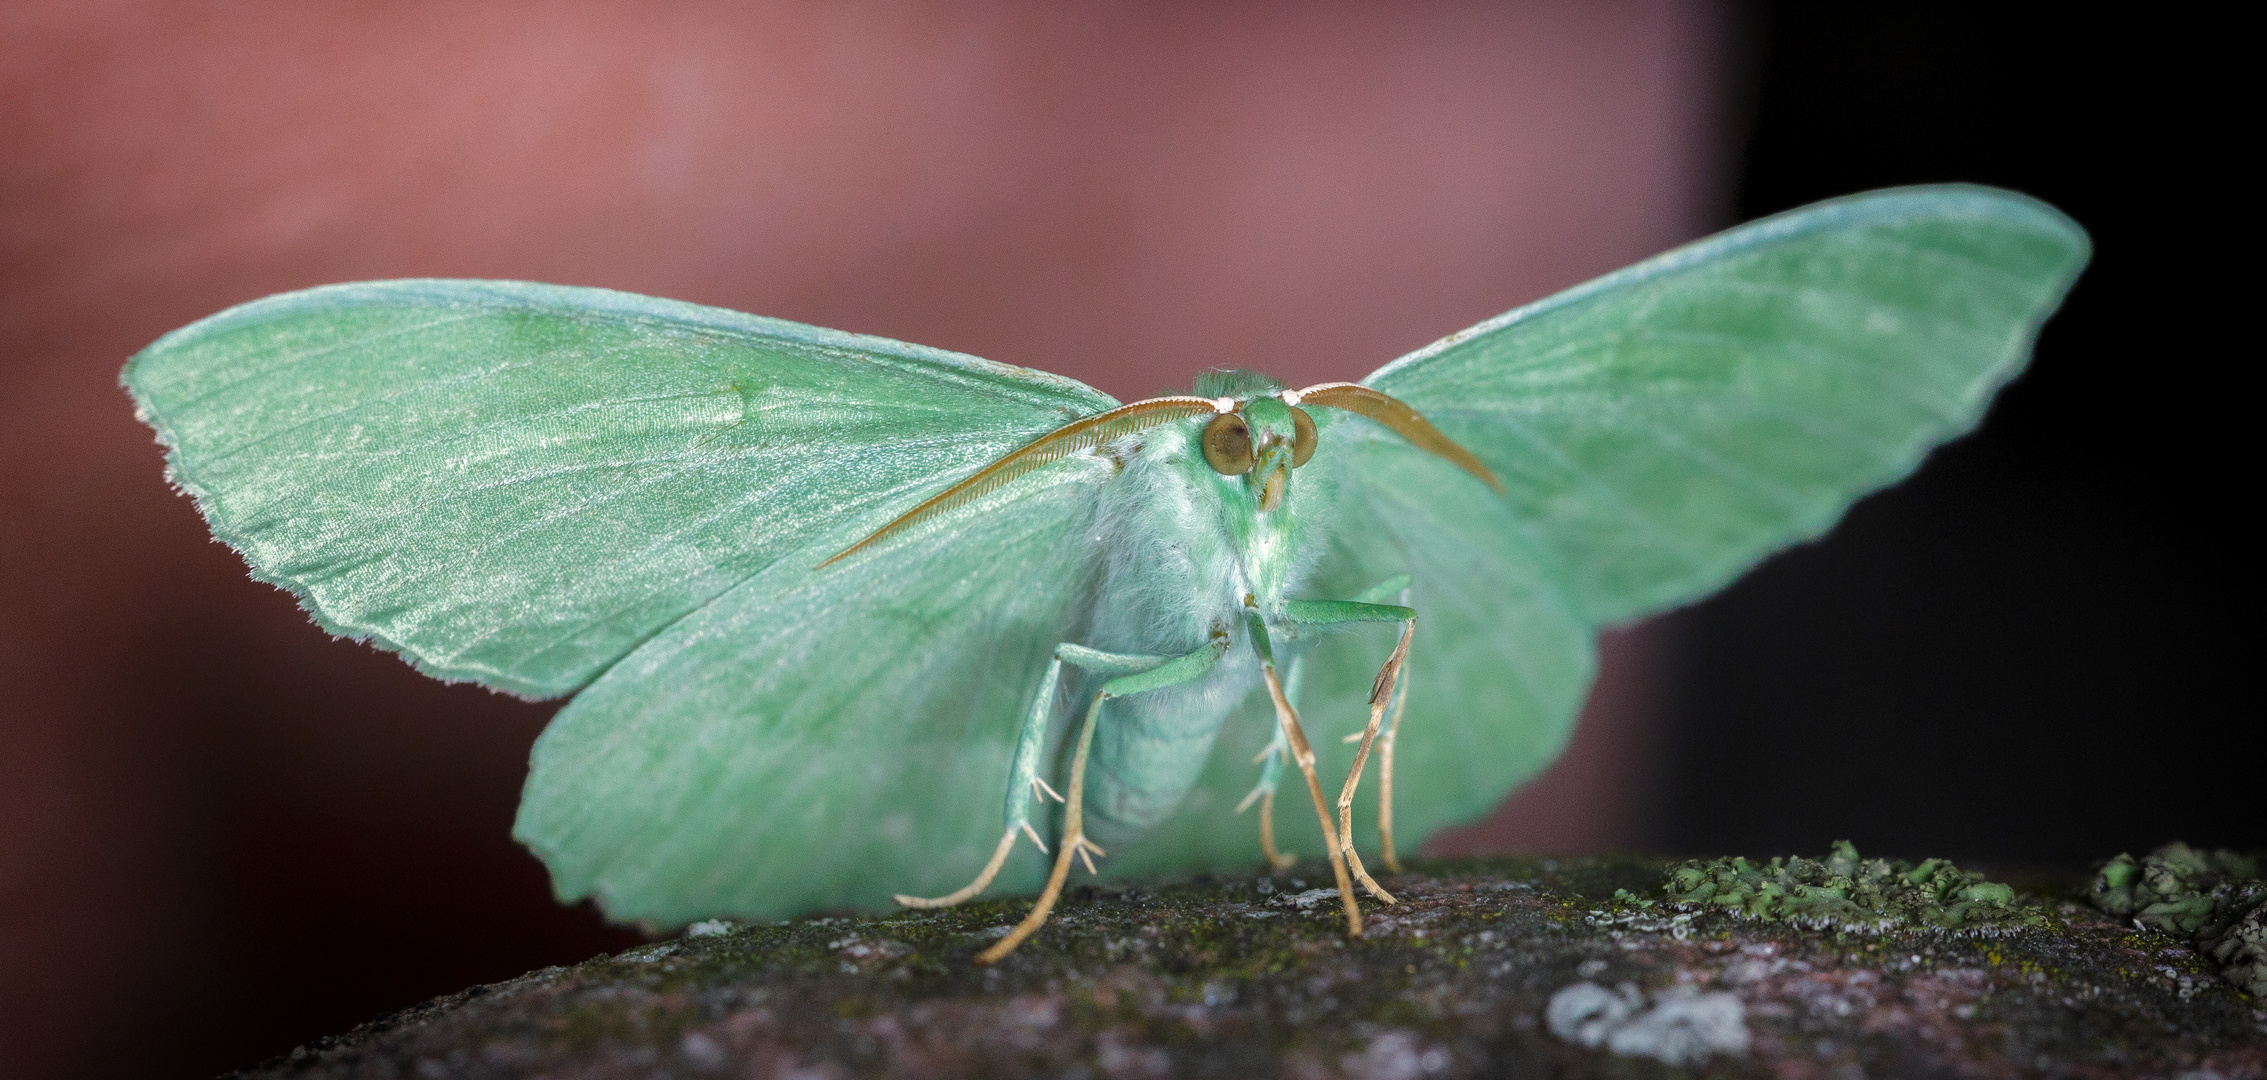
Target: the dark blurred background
(2027, 653)
(222, 834)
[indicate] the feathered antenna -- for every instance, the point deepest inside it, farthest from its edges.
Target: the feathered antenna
(1062, 442)
(1390, 411)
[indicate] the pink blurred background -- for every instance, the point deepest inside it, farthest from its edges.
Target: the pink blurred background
(221, 833)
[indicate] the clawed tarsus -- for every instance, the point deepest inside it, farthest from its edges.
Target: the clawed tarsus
(1073, 843)
(984, 877)
(991, 870)
(1264, 794)
(1381, 694)
(1275, 858)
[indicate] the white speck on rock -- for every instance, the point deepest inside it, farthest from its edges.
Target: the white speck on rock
(865, 949)
(1394, 1055)
(708, 928)
(702, 1052)
(1309, 898)
(1684, 1027)
(1118, 1059)
(1587, 1013)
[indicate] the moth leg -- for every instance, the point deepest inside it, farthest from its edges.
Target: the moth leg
(1396, 587)
(1270, 762)
(1381, 692)
(1024, 787)
(1385, 779)
(1340, 612)
(1303, 755)
(1147, 673)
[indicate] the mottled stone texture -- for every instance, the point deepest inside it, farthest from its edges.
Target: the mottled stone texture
(1254, 977)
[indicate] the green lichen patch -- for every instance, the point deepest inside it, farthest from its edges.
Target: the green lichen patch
(2214, 899)
(1847, 893)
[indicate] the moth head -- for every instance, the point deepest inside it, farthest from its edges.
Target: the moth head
(1261, 440)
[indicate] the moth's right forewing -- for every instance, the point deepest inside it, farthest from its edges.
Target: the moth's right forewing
(1663, 428)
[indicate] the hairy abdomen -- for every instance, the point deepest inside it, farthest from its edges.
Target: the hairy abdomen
(1150, 748)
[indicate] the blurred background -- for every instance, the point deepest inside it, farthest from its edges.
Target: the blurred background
(222, 834)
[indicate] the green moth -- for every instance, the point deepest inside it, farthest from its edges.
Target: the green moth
(845, 619)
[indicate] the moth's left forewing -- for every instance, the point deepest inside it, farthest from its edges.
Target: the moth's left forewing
(517, 483)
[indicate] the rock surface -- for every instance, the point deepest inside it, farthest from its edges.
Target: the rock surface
(1500, 967)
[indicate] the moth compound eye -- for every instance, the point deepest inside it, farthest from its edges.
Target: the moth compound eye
(1302, 436)
(1228, 445)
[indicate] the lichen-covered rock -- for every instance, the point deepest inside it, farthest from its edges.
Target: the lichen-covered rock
(1845, 892)
(1254, 977)
(2214, 898)
(2243, 949)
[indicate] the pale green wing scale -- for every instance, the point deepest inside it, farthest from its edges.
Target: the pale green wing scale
(822, 739)
(1662, 428)
(516, 484)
